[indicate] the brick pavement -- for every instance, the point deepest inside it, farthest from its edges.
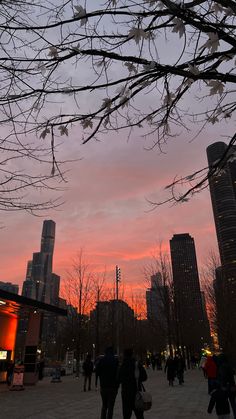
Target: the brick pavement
(67, 400)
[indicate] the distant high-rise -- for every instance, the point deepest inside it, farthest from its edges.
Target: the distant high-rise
(40, 280)
(152, 300)
(158, 310)
(223, 197)
(42, 284)
(8, 286)
(191, 328)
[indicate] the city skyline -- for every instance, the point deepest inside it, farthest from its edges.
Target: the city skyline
(111, 218)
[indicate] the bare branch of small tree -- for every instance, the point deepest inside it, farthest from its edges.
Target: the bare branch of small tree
(158, 66)
(80, 294)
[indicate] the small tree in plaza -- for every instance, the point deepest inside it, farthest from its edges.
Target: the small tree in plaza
(79, 293)
(161, 67)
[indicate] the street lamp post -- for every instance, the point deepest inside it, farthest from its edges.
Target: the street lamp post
(118, 279)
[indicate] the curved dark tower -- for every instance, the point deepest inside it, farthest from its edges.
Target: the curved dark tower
(223, 197)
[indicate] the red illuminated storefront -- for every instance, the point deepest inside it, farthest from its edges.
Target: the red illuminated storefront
(12, 306)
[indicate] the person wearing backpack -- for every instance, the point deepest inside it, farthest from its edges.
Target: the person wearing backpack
(131, 375)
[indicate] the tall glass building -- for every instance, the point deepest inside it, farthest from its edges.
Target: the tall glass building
(223, 197)
(192, 330)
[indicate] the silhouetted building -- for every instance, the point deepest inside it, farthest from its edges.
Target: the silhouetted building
(158, 312)
(152, 298)
(42, 284)
(8, 286)
(223, 197)
(192, 331)
(103, 324)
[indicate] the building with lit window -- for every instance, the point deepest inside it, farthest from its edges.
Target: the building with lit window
(192, 330)
(42, 284)
(158, 311)
(12, 308)
(223, 198)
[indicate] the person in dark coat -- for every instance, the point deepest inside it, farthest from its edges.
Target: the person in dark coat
(87, 372)
(219, 400)
(153, 361)
(170, 368)
(131, 375)
(107, 372)
(40, 369)
(225, 377)
(179, 367)
(211, 370)
(10, 371)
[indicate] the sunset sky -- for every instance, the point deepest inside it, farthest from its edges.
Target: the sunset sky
(106, 210)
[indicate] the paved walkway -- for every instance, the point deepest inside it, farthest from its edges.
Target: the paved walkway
(66, 400)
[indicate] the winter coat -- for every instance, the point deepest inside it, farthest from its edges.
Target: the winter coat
(107, 371)
(87, 367)
(210, 367)
(179, 364)
(225, 374)
(170, 367)
(127, 376)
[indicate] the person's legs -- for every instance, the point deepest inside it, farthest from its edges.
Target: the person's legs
(127, 406)
(111, 402)
(180, 377)
(209, 385)
(89, 382)
(85, 382)
(104, 404)
(233, 404)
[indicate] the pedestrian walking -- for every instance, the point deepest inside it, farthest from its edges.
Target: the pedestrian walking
(225, 376)
(153, 361)
(131, 375)
(107, 372)
(40, 369)
(180, 367)
(170, 369)
(96, 362)
(219, 400)
(10, 371)
(210, 368)
(202, 364)
(87, 372)
(148, 361)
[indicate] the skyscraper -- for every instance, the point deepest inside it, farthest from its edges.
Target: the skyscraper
(153, 302)
(223, 197)
(39, 283)
(43, 285)
(159, 311)
(191, 328)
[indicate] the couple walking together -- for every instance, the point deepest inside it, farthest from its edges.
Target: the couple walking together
(129, 375)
